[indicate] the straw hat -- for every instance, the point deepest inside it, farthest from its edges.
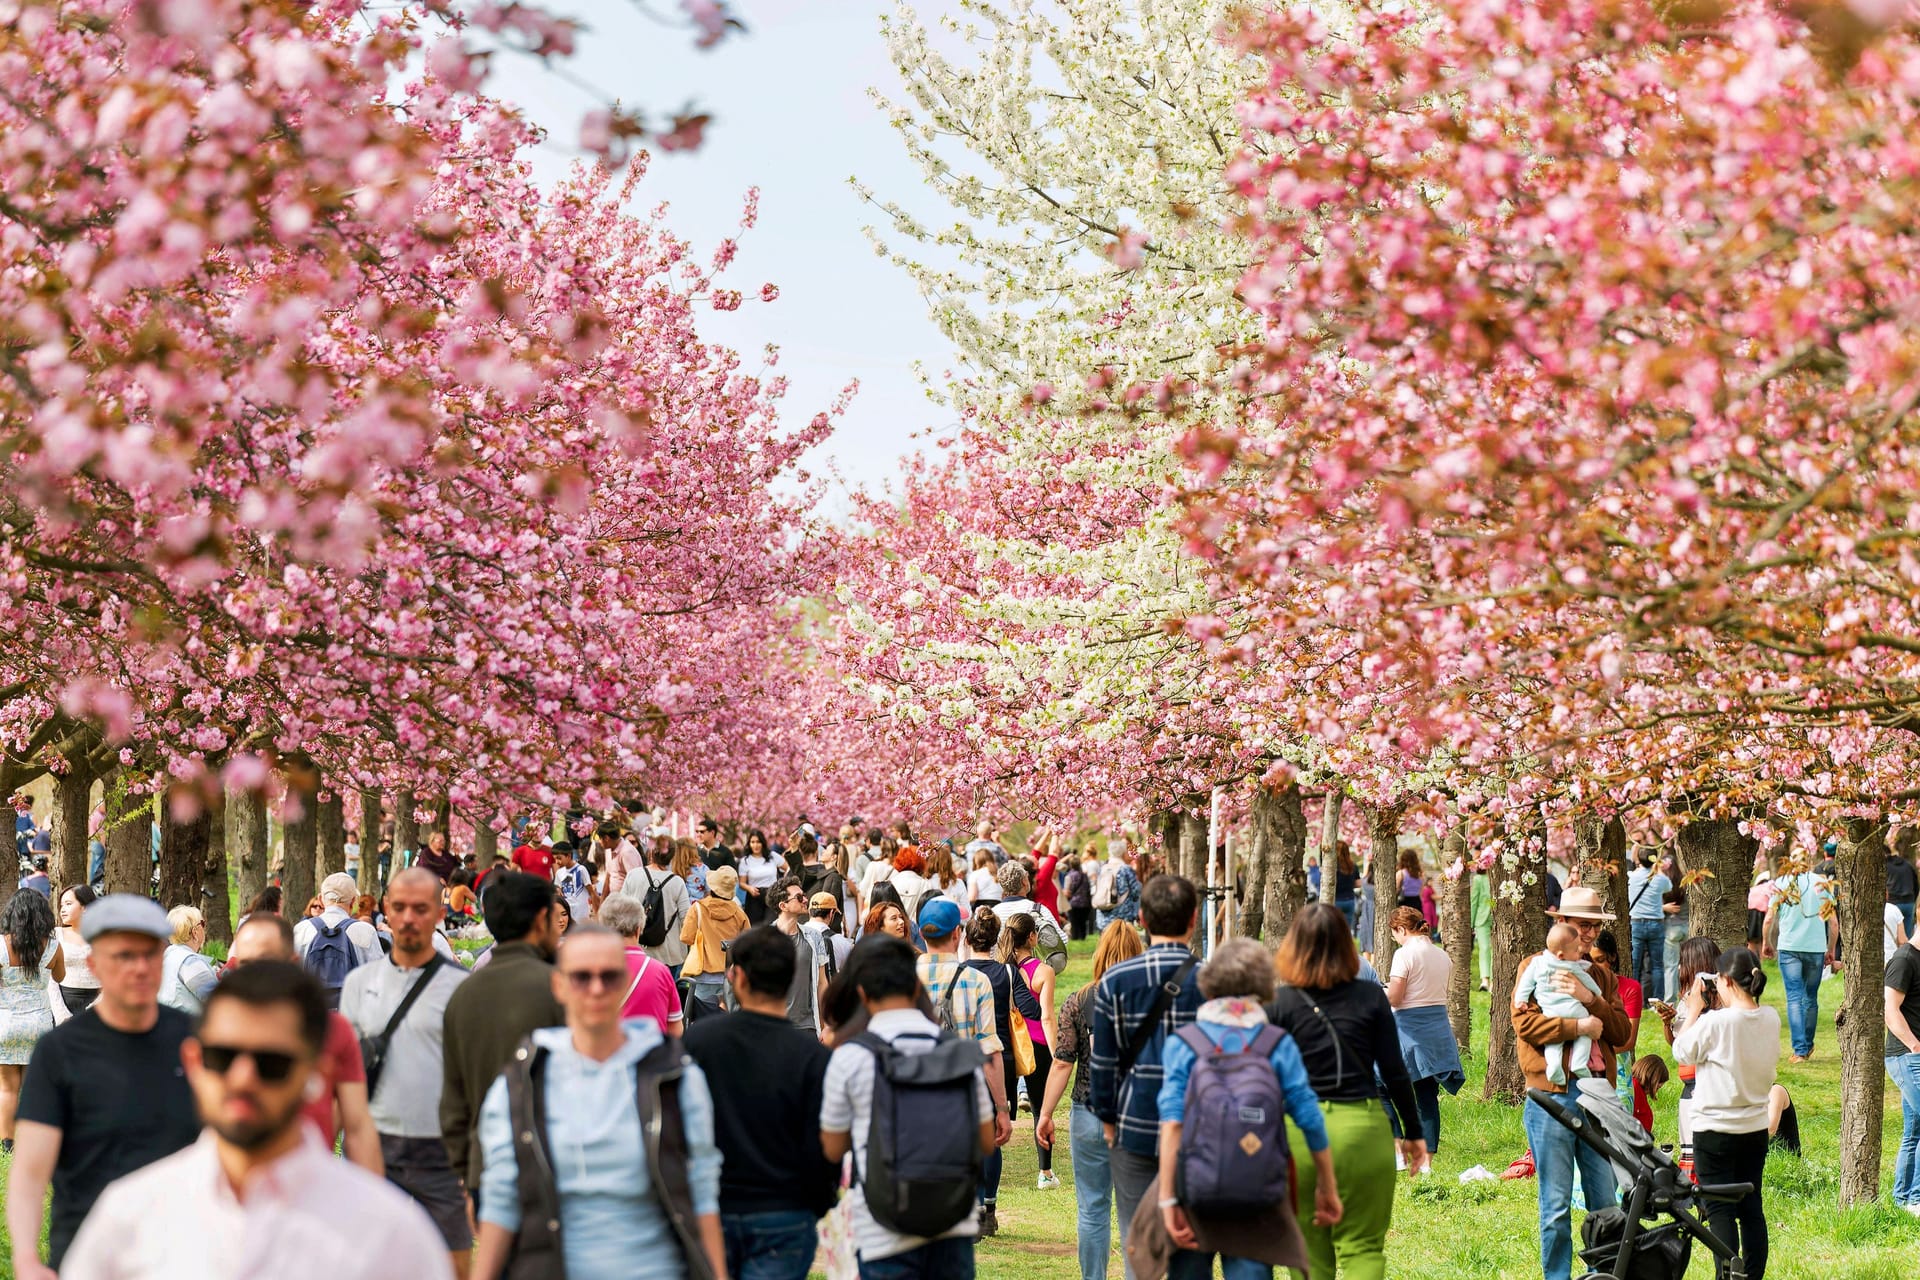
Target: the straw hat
(1580, 903)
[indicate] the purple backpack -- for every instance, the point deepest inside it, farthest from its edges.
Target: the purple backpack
(1234, 1160)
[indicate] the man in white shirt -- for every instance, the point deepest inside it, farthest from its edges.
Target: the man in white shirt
(405, 1098)
(337, 893)
(258, 1194)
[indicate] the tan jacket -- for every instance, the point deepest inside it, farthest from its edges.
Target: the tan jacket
(710, 924)
(1534, 1032)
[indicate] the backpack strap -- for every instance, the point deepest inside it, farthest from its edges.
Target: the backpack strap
(414, 992)
(1196, 1039)
(1162, 1001)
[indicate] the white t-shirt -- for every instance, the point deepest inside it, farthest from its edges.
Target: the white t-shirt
(846, 1106)
(1736, 1052)
(879, 872)
(1891, 922)
(1427, 970)
(760, 873)
(983, 885)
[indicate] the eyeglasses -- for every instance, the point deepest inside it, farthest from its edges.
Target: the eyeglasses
(271, 1065)
(588, 979)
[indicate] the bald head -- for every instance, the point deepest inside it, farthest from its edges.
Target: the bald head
(413, 909)
(415, 880)
(262, 937)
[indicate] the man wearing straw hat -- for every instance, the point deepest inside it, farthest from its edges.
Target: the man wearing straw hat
(1555, 1149)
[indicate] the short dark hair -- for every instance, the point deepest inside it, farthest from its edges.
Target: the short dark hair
(1167, 904)
(512, 902)
(708, 824)
(272, 982)
(886, 970)
(765, 956)
(785, 886)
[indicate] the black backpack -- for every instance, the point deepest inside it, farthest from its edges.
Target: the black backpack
(654, 905)
(923, 1156)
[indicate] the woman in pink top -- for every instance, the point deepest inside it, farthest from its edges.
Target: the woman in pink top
(653, 992)
(1016, 947)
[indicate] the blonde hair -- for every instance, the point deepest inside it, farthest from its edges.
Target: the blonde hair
(982, 859)
(185, 920)
(1119, 941)
(686, 854)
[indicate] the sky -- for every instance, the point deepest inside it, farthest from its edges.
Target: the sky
(792, 116)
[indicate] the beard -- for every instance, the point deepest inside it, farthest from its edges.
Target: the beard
(251, 1135)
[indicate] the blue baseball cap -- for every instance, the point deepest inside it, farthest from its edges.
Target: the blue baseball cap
(939, 918)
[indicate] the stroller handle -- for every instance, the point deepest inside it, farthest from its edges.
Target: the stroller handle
(1725, 1190)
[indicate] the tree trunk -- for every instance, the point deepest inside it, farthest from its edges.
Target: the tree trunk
(1860, 869)
(216, 896)
(129, 837)
(330, 835)
(486, 844)
(1519, 932)
(1456, 931)
(1717, 899)
(406, 831)
(443, 819)
(1281, 828)
(247, 843)
(370, 843)
(183, 856)
(1330, 844)
(299, 841)
(1600, 855)
(72, 806)
(1193, 849)
(1383, 832)
(1260, 858)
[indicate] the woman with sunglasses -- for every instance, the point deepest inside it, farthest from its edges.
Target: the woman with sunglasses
(600, 1159)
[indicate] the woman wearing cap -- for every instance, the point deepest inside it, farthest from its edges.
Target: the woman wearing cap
(710, 924)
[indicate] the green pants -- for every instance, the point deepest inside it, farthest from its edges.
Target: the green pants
(1362, 1146)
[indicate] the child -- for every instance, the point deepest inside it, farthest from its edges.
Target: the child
(1649, 1073)
(1563, 955)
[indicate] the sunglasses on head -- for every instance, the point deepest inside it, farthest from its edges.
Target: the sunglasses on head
(587, 979)
(270, 1065)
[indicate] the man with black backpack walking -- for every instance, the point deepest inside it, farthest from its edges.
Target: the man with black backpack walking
(333, 944)
(1139, 1004)
(910, 1101)
(663, 901)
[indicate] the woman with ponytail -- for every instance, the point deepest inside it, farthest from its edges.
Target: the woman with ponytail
(1734, 1050)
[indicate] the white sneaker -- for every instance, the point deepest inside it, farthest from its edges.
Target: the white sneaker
(1049, 1181)
(1913, 1208)
(1399, 1163)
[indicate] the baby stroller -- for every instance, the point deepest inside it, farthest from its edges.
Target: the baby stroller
(1619, 1243)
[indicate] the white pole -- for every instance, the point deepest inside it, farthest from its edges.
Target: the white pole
(1213, 845)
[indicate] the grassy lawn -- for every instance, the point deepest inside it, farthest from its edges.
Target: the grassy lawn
(1444, 1230)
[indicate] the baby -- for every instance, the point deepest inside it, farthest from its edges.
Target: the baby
(1563, 955)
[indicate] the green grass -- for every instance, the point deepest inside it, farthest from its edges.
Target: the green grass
(1444, 1230)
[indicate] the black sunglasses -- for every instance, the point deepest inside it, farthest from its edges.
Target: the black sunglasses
(587, 979)
(270, 1065)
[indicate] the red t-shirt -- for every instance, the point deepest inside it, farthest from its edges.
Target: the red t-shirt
(339, 1064)
(1632, 999)
(535, 860)
(656, 995)
(1642, 1109)
(1045, 891)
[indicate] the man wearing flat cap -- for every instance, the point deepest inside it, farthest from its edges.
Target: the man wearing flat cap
(106, 1092)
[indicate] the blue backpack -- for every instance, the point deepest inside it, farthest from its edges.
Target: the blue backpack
(1234, 1161)
(330, 958)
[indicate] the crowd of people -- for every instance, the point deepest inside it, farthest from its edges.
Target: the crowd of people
(655, 1056)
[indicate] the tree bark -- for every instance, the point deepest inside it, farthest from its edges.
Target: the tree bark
(1193, 849)
(183, 856)
(129, 837)
(1519, 932)
(1287, 886)
(486, 844)
(247, 843)
(215, 894)
(1860, 869)
(1330, 844)
(1456, 932)
(1383, 836)
(1600, 856)
(1717, 899)
(72, 806)
(406, 830)
(443, 819)
(299, 841)
(330, 835)
(370, 843)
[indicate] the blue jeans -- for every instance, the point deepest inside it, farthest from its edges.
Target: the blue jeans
(1555, 1153)
(1906, 914)
(1426, 1100)
(1905, 1070)
(778, 1245)
(1676, 933)
(934, 1260)
(1187, 1264)
(1800, 974)
(1092, 1191)
(1649, 956)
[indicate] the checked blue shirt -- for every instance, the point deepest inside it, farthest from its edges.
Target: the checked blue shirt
(1120, 1006)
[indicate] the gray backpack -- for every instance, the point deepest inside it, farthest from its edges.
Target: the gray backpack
(923, 1157)
(1234, 1160)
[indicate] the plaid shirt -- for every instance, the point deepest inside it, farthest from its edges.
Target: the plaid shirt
(972, 998)
(1121, 1004)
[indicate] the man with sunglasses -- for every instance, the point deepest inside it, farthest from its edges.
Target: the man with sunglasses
(257, 1194)
(105, 1093)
